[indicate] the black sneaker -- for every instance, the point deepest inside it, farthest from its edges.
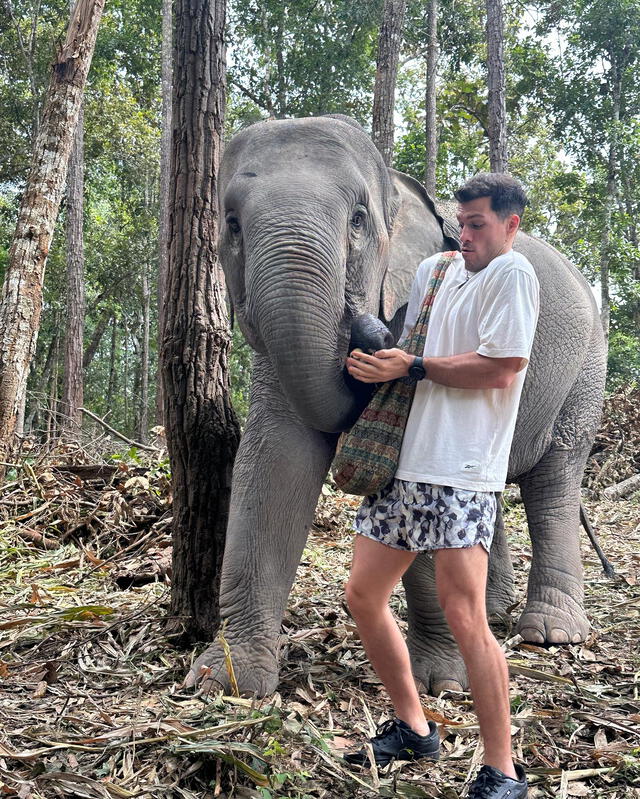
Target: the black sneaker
(493, 784)
(395, 740)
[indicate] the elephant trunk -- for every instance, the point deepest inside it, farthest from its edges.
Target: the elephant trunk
(296, 300)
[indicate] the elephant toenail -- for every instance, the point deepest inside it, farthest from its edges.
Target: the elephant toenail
(446, 685)
(532, 634)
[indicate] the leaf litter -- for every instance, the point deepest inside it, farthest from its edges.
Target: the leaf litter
(91, 703)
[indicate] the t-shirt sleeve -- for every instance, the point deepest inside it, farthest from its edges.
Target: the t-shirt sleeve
(418, 290)
(508, 316)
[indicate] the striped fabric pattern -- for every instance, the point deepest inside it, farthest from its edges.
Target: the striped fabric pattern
(368, 457)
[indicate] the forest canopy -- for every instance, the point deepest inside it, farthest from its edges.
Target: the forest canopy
(573, 116)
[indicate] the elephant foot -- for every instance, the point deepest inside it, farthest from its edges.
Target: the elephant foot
(563, 622)
(250, 670)
(437, 673)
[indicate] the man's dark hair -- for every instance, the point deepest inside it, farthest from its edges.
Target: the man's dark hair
(506, 193)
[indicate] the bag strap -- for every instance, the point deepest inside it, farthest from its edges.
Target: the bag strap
(415, 341)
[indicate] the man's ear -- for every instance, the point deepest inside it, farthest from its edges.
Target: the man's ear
(417, 232)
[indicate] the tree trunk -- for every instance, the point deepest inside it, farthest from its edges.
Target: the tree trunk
(281, 86)
(38, 395)
(609, 201)
(202, 430)
(143, 416)
(52, 421)
(633, 238)
(72, 386)
(125, 371)
(96, 338)
(384, 92)
(21, 302)
(496, 84)
(165, 197)
(111, 387)
(431, 131)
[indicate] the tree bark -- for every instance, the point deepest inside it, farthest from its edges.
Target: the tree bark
(72, 385)
(165, 199)
(624, 488)
(629, 205)
(389, 43)
(21, 303)
(496, 83)
(125, 371)
(38, 394)
(610, 197)
(52, 421)
(202, 430)
(431, 131)
(143, 416)
(113, 374)
(96, 338)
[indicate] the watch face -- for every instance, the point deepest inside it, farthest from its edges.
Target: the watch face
(417, 372)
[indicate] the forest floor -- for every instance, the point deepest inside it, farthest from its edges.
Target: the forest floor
(91, 703)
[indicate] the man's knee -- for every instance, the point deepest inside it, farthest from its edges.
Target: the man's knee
(465, 616)
(360, 597)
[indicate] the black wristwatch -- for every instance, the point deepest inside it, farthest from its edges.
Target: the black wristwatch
(417, 370)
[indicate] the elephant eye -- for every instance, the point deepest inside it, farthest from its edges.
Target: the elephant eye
(358, 218)
(233, 224)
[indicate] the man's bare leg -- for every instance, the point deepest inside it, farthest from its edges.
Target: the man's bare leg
(461, 576)
(375, 571)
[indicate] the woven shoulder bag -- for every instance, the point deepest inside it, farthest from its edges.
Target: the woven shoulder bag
(368, 458)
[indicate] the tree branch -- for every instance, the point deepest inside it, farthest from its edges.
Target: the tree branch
(248, 93)
(121, 436)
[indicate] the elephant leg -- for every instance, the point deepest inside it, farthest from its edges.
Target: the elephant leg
(551, 493)
(500, 579)
(277, 478)
(435, 658)
(436, 661)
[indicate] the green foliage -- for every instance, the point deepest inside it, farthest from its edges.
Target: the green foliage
(25, 64)
(624, 360)
(305, 58)
(8, 213)
(309, 57)
(240, 366)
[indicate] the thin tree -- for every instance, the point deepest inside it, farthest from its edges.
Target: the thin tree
(165, 176)
(143, 416)
(498, 157)
(21, 301)
(202, 430)
(72, 382)
(431, 131)
(384, 92)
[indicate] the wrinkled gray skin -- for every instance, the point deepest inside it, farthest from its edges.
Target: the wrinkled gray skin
(316, 233)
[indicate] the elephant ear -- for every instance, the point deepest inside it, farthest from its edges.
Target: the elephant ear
(418, 231)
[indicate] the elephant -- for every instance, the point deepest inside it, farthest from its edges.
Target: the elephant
(318, 241)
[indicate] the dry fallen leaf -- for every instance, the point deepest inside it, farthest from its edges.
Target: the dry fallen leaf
(578, 789)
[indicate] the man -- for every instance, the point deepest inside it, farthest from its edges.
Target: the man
(454, 458)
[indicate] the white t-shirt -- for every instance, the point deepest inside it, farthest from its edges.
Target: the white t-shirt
(457, 436)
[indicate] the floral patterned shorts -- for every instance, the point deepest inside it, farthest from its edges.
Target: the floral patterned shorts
(421, 516)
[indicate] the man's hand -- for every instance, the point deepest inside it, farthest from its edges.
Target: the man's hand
(380, 367)
(467, 370)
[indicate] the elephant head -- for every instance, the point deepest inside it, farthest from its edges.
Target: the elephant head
(315, 231)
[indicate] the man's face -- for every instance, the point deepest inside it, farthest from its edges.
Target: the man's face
(483, 234)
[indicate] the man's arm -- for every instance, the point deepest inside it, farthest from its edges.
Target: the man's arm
(467, 370)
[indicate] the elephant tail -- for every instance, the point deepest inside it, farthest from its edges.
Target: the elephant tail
(606, 564)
